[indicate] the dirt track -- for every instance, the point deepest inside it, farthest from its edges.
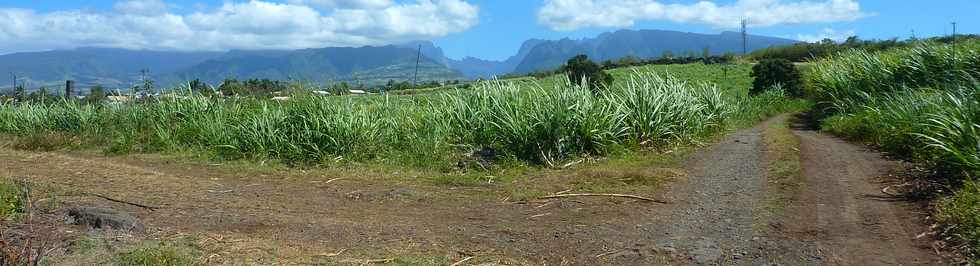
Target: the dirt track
(838, 217)
(841, 217)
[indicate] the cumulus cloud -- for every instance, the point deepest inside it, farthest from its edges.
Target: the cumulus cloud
(141, 7)
(566, 15)
(334, 4)
(827, 33)
(146, 24)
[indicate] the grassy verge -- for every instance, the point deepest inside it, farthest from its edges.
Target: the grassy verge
(159, 253)
(785, 177)
(95, 250)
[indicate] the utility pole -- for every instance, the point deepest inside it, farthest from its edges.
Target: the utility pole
(418, 59)
(15, 81)
(147, 83)
(745, 37)
(954, 42)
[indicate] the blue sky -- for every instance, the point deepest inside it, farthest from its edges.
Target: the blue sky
(490, 29)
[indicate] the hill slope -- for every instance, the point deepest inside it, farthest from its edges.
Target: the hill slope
(89, 66)
(368, 65)
(639, 43)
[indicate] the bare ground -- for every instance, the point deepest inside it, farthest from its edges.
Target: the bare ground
(716, 213)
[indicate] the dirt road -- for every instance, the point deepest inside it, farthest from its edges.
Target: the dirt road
(716, 214)
(841, 217)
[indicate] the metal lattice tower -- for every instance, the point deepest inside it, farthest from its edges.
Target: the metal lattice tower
(745, 37)
(418, 59)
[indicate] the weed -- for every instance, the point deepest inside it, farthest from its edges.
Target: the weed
(11, 199)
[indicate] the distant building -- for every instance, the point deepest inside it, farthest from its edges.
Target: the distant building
(119, 99)
(357, 92)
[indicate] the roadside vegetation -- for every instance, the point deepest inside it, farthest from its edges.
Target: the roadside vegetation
(809, 52)
(528, 122)
(920, 102)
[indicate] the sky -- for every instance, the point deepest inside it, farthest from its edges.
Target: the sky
(488, 29)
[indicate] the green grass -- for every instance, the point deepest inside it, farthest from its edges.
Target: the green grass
(785, 176)
(542, 123)
(158, 253)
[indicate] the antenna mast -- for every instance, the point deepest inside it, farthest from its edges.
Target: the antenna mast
(415, 81)
(745, 36)
(143, 79)
(954, 42)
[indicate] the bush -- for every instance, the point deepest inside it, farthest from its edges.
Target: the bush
(771, 72)
(580, 69)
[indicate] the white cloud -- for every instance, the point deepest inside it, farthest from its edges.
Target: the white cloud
(827, 33)
(145, 24)
(576, 14)
(334, 4)
(141, 7)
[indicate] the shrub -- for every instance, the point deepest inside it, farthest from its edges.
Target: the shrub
(771, 72)
(581, 69)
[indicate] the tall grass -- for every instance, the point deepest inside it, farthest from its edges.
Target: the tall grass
(514, 120)
(920, 102)
(844, 82)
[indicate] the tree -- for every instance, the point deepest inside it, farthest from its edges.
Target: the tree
(96, 94)
(580, 69)
(706, 52)
(41, 96)
(197, 85)
(231, 87)
(770, 72)
(628, 61)
(608, 64)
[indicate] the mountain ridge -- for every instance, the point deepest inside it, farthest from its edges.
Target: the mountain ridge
(370, 65)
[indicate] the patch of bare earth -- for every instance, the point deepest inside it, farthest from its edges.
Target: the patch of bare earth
(840, 216)
(240, 215)
(309, 217)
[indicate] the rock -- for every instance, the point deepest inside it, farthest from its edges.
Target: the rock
(398, 192)
(373, 196)
(103, 218)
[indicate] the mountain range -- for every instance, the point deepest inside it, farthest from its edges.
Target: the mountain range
(370, 65)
